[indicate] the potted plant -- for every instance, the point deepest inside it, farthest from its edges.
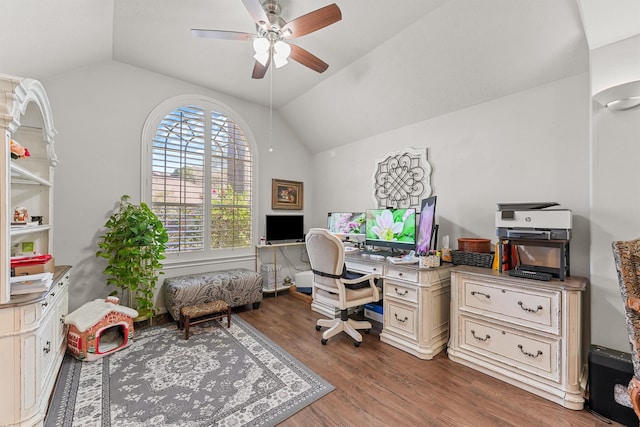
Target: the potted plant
(134, 245)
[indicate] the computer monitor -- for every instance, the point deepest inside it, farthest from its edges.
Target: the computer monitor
(391, 228)
(347, 225)
(426, 226)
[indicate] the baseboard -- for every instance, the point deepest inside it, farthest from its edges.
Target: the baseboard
(293, 291)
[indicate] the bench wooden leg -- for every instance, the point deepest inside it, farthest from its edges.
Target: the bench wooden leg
(186, 327)
(229, 317)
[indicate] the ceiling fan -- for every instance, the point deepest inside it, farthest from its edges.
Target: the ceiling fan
(271, 41)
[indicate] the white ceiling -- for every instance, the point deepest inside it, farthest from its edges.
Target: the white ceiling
(391, 63)
(155, 34)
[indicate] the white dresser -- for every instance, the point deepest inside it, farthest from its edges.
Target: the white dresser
(524, 332)
(32, 345)
(415, 305)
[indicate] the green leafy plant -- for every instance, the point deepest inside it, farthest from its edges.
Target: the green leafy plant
(134, 246)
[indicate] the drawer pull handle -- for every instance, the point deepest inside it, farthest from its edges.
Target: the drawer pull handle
(400, 320)
(53, 294)
(401, 294)
(530, 310)
(526, 353)
(47, 349)
(480, 293)
(44, 304)
(62, 319)
(486, 337)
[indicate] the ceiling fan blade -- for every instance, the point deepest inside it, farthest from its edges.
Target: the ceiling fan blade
(221, 35)
(307, 59)
(313, 21)
(260, 70)
(256, 11)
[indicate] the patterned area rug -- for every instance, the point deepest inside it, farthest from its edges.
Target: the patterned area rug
(219, 377)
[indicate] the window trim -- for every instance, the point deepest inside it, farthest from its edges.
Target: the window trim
(149, 129)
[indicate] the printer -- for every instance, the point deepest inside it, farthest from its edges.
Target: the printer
(533, 221)
(534, 238)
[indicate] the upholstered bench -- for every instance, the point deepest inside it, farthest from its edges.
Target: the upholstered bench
(236, 287)
(194, 314)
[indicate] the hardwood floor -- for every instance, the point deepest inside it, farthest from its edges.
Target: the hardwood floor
(379, 385)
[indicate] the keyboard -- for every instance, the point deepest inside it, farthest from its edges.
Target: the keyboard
(528, 274)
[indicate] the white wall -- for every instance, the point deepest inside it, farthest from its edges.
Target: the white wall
(530, 146)
(615, 194)
(99, 112)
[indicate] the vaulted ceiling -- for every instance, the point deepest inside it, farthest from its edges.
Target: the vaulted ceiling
(390, 63)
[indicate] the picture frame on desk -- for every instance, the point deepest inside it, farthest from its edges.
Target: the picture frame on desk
(287, 194)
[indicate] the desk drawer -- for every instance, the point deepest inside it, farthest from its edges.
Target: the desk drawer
(402, 292)
(410, 275)
(363, 267)
(401, 319)
(537, 309)
(531, 353)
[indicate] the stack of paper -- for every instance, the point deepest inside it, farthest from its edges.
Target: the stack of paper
(31, 284)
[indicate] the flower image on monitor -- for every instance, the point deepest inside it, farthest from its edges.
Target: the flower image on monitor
(426, 225)
(391, 227)
(346, 222)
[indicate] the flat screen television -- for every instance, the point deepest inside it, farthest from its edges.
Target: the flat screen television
(427, 226)
(284, 228)
(347, 225)
(391, 228)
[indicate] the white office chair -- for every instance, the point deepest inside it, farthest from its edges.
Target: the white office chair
(333, 286)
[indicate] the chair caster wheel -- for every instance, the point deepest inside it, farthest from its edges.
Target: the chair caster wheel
(318, 327)
(356, 343)
(323, 341)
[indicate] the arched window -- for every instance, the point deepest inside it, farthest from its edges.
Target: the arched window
(200, 173)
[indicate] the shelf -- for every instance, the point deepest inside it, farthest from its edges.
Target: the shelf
(23, 231)
(273, 291)
(21, 175)
(280, 245)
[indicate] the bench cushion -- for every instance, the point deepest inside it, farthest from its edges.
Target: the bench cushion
(236, 287)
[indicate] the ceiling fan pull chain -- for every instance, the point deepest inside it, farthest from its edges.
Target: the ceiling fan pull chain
(271, 99)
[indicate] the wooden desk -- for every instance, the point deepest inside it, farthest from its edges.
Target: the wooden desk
(415, 304)
(275, 247)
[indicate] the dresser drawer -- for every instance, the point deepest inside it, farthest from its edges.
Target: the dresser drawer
(401, 319)
(537, 309)
(410, 275)
(531, 353)
(399, 291)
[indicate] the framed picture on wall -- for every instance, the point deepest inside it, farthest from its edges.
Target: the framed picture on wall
(286, 194)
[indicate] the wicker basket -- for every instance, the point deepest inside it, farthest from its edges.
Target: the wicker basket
(477, 259)
(474, 245)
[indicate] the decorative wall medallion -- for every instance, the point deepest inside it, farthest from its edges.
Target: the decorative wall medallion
(402, 179)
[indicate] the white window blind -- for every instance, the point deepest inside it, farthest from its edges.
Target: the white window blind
(202, 180)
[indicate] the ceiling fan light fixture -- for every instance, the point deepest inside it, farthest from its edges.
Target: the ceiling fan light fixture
(282, 49)
(279, 61)
(281, 52)
(262, 58)
(261, 45)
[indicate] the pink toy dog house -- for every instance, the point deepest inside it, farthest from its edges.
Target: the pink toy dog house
(99, 328)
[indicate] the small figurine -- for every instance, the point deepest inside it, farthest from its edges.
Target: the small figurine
(20, 215)
(18, 151)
